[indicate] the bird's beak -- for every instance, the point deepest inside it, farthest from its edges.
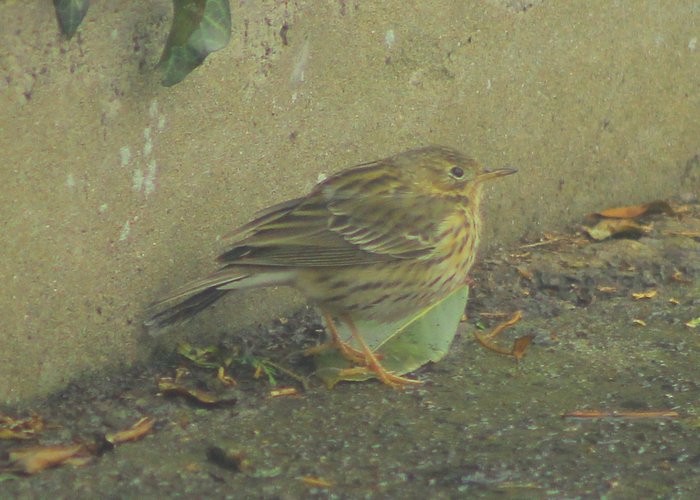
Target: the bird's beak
(488, 173)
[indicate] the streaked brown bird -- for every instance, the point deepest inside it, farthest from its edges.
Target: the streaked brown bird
(376, 241)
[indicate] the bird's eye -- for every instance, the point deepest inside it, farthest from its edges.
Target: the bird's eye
(457, 172)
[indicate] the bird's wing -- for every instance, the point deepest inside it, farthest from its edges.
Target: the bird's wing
(322, 230)
(402, 226)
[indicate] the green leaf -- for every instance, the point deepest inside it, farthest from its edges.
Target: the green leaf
(199, 28)
(404, 345)
(70, 14)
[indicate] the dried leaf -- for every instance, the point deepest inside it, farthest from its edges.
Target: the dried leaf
(487, 339)
(616, 227)
(25, 428)
(169, 386)
(316, 482)
(134, 433)
(649, 294)
(520, 345)
(633, 211)
(225, 379)
(680, 277)
(284, 391)
(639, 322)
(38, 458)
(693, 323)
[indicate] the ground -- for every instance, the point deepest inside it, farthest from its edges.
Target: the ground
(481, 424)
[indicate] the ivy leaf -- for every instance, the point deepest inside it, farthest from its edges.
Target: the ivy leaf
(199, 28)
(70, 14)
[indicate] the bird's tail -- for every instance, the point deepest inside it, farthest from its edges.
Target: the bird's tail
(194, 297)
(183, 310)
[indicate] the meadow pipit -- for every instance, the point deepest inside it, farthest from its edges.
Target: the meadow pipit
(376, 241)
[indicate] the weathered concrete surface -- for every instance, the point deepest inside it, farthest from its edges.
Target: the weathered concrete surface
(116, 189)
(621, 370)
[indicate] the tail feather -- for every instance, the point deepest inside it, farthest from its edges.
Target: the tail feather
(198, 295)
(185, 309)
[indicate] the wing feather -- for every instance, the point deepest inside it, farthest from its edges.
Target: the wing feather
(344, 221)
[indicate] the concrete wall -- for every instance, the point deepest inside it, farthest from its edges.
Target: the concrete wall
(115, 189)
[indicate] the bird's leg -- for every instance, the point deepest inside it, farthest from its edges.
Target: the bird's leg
(346, 350)
(371, 362)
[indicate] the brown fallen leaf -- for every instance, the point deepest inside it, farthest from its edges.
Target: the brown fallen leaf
(133, 433)
(169, 387)
(616, 227)
(283, 391)
(632, 211)
(680, 277)
(649, 294)
(38, 458)
(23, 428)
(519, 345)
(227, 380)
(316, 482)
